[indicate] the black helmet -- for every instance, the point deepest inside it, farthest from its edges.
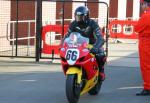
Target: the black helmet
(147, 0)
(82, 14)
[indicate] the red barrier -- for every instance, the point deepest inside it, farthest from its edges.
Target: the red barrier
(56, 29)
(123, 29)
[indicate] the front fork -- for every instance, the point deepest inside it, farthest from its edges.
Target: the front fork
(77, 71)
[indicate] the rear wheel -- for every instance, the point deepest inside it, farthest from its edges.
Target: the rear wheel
(95, 90)
(72, 88)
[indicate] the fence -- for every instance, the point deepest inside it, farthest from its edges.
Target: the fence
(122, 29)
(54, 30)
(17, 33)
(22, 23)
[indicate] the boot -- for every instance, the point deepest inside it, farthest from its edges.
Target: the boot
(101, 73)
(101, 59)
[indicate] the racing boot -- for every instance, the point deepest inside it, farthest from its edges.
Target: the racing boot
(102, 73)
(101, 59)
(101, 64)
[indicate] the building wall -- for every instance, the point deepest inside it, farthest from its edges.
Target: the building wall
(67, 11)
(113, 8)
(136, 9)
(93, 7)
(102, 14)
(48, 12)
(129, 8)
(4, 19)
(26, 11)
(120, 9)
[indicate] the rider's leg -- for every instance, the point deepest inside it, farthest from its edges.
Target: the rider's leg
(101, 59)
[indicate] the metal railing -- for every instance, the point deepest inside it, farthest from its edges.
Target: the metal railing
(11, 32)
(11, 38)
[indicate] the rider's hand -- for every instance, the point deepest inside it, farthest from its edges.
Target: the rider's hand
(94, 50)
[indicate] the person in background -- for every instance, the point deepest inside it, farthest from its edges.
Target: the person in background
(143, 30)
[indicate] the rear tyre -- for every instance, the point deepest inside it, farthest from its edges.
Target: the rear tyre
(72, 88)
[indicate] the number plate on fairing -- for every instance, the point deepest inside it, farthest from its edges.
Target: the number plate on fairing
(72, 55)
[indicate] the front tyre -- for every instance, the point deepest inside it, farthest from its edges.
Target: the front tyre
(72, 88)
(95, 90)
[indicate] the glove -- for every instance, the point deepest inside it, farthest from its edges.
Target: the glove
(94, 50)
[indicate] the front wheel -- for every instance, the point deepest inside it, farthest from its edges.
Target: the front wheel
(72, 88)
(95, 90)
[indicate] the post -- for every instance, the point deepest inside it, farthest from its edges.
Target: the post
(107, 35)
(17, 17)
(63, 17)
(38, 29)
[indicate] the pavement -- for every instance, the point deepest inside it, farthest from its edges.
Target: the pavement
(22, 80)
(119, 54)
(123, 55)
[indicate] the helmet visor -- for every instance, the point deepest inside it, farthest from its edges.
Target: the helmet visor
(79, 18)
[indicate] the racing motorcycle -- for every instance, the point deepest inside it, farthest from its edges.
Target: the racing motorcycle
(80, 67)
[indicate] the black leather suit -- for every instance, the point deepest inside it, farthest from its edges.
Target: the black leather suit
(91, 30)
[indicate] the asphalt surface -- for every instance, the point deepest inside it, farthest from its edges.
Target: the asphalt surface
(45, 83)
(24, 81)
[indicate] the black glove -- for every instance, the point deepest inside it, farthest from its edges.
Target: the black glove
(94, 50)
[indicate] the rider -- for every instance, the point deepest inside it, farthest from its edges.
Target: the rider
(90, 29)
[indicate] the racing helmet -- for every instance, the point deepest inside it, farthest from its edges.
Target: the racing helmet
(145, 1)
(81, 14)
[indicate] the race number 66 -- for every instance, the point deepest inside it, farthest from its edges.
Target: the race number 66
(72, 54)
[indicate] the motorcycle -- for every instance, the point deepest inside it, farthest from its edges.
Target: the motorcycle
(80, 67)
